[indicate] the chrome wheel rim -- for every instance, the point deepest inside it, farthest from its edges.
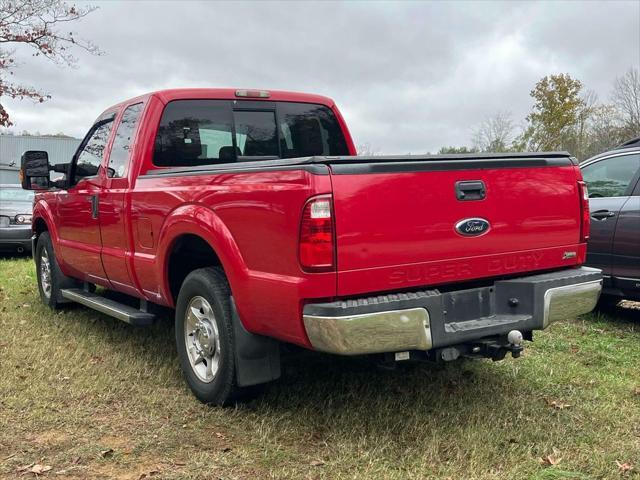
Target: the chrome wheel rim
(201, 339)
(45, 273)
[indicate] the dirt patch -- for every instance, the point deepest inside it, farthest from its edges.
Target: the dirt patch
(50, 438)
(142, 470)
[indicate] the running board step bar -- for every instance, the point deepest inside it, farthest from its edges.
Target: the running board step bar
(109, 307)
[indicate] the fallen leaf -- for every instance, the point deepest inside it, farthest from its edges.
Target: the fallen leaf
(625, 467)
(40, 469)
(636, 391)
(106, 453)
(557, 404)
(148, 474)
(316, 463)
(25, 468)
(551, 459)
(66, 471)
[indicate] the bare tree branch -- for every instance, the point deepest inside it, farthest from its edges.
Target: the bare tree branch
(626, 98)
(35, 24)
(494, 134)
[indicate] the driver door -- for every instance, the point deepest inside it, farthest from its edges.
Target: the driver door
(78, 224)
(609, 181)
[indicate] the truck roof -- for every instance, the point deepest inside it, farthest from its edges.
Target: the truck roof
(228, 94)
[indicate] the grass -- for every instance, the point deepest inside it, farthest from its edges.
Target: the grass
(95, 398)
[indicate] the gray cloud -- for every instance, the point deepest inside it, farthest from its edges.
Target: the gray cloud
(408, 77)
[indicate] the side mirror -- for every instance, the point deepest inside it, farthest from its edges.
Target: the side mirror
(34, 170)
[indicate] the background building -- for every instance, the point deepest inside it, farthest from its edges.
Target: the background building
(60, 150)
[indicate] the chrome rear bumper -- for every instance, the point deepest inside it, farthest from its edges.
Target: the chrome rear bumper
(569, 301)
(374, 332)
(429, 319)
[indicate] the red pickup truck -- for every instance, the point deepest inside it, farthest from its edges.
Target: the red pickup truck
(249, 213)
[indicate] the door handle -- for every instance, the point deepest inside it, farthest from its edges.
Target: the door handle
(94, 205)
(470, 190)
(602, 214)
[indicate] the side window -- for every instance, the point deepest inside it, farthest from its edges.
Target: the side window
(194, 132)
(90, 158)
(119, 157)
(611, 177)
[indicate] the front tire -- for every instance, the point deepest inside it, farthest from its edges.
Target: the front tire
(204, 337)
(51, 280)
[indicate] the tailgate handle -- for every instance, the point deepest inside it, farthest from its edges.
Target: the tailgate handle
(470, 190)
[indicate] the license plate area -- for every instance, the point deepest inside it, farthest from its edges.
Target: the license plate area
(468, 304)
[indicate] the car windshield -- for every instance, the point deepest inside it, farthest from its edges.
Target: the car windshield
(15, 194)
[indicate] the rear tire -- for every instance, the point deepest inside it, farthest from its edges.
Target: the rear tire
(204, 338)
(51, 280)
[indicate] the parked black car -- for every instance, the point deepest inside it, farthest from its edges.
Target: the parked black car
(16, 206)
(614, 198)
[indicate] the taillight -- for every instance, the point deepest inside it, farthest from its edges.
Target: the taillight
(317, 252)
(585, 224)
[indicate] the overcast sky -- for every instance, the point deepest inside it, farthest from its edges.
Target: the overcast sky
(408, 77)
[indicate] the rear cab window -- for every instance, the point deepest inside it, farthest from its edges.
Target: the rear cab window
(210, 132)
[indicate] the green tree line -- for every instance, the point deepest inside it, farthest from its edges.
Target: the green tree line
(564, 116)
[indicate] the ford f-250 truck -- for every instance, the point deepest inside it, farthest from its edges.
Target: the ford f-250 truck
(249, 213)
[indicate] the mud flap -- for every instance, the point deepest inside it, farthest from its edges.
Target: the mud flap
(257, 357)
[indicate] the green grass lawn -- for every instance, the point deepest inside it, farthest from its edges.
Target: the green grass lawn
(92, 397)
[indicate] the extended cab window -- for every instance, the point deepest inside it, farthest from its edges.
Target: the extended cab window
(90, 158)
(119, 157)
(611, 177)
(205, 132)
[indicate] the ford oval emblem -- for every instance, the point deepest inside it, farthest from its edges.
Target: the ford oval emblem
(472, 227)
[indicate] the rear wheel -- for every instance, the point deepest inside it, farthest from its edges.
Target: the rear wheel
(204, 338)
(51, 280)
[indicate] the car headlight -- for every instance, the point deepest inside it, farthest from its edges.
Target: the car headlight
(23, 219)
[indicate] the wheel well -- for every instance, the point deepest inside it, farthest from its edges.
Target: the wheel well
(189, 253)
(39, 227)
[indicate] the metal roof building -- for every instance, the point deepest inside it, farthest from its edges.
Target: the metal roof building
(60, 150)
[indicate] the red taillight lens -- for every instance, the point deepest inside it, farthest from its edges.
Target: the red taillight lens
(585, 225)
(317, 251)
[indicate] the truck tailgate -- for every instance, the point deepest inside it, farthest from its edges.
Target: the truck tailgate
(396, 220)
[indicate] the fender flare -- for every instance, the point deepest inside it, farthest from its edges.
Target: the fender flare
(42, 211)
(198, 220)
